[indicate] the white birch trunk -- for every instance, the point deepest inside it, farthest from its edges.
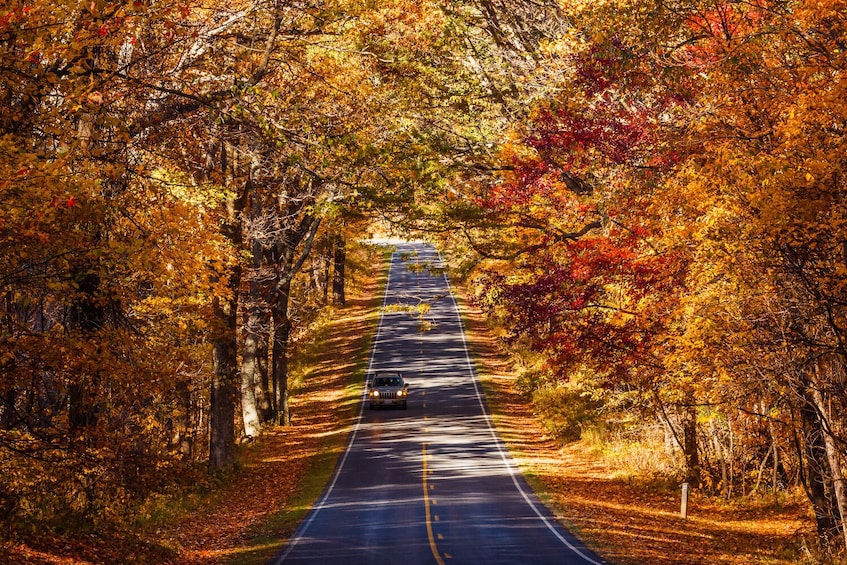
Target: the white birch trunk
(832, 454)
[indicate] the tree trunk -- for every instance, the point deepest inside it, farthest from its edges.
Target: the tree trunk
(726, 487)
(261, 378)
(8, 416)
(816, 463)
(282, 332)
(775, 470)
(285, 267)
(775, 474)
(252, 305)
(87, 315)
(832, 454)
(339, 264)
(225, 381)
(326, 262)
(249, 372)
(184, 424)
(689, 438)
(224, 389)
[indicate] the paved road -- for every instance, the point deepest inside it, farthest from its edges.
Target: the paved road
(431, 484)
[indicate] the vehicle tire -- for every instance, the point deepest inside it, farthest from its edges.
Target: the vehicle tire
(370, 406)
(404, 405)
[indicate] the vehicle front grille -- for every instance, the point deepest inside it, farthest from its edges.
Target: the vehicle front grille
(388, 395)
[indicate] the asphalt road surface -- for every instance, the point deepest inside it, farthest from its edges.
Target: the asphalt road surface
(433, 483)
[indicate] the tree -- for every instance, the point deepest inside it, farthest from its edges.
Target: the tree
(105, 282)
(689, 171)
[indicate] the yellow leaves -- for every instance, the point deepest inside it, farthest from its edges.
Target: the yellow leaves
(95, 98)
(814, 13)
(407, 24)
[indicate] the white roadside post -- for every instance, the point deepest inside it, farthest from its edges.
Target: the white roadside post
(683, 510)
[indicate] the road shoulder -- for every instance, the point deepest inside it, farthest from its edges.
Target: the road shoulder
(624, 522)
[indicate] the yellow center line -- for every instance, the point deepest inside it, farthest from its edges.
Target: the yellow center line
(429, 533)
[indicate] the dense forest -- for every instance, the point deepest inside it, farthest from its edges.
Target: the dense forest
(645, 195)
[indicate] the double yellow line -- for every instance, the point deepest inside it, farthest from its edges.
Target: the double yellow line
(432, 545)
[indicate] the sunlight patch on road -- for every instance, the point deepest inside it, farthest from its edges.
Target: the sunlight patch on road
(432, 544)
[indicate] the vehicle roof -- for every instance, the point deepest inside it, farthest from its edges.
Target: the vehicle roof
(387, 379)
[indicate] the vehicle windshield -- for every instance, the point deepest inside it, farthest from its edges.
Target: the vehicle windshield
(387, 381)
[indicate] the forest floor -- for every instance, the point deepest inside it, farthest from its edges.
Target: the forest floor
(626, 522)
(281, 475)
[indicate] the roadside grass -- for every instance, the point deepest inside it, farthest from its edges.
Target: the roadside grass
(595, 491)
(269, 538)
(350, 332)
(510, 419)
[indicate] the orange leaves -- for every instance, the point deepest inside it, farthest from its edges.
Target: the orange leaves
(825, 13)
(404, 21)
(715, 133)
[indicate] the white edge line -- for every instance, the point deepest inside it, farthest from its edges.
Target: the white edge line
(506, 459)
(301, 530)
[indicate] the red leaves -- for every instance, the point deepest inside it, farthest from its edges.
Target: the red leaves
(608, 65)
(588, 302)
(589, 286)
(14, 16)
(614, 132)
(727, 20)
(68, 202)
(527, 183)
(725, 26)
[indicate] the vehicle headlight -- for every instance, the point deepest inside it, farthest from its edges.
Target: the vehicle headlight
(374, 393)
(401, 393)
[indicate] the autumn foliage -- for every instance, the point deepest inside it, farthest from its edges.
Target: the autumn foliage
(178, 181)
(674, 213)
(648, 194)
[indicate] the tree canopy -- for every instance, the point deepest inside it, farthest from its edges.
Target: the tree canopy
(648, 196)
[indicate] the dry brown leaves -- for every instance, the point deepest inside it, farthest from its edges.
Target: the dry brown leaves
(626, 523)
(278, 463)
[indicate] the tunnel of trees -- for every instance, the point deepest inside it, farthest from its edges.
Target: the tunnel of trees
(646, 195)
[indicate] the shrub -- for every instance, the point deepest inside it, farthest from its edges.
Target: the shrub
(565, 410)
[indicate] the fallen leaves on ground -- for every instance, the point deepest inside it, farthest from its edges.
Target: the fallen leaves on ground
(277, 464)
(625, 522)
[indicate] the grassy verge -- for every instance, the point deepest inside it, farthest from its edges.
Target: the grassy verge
(342, 334)
(626, 521)
(268, 539)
